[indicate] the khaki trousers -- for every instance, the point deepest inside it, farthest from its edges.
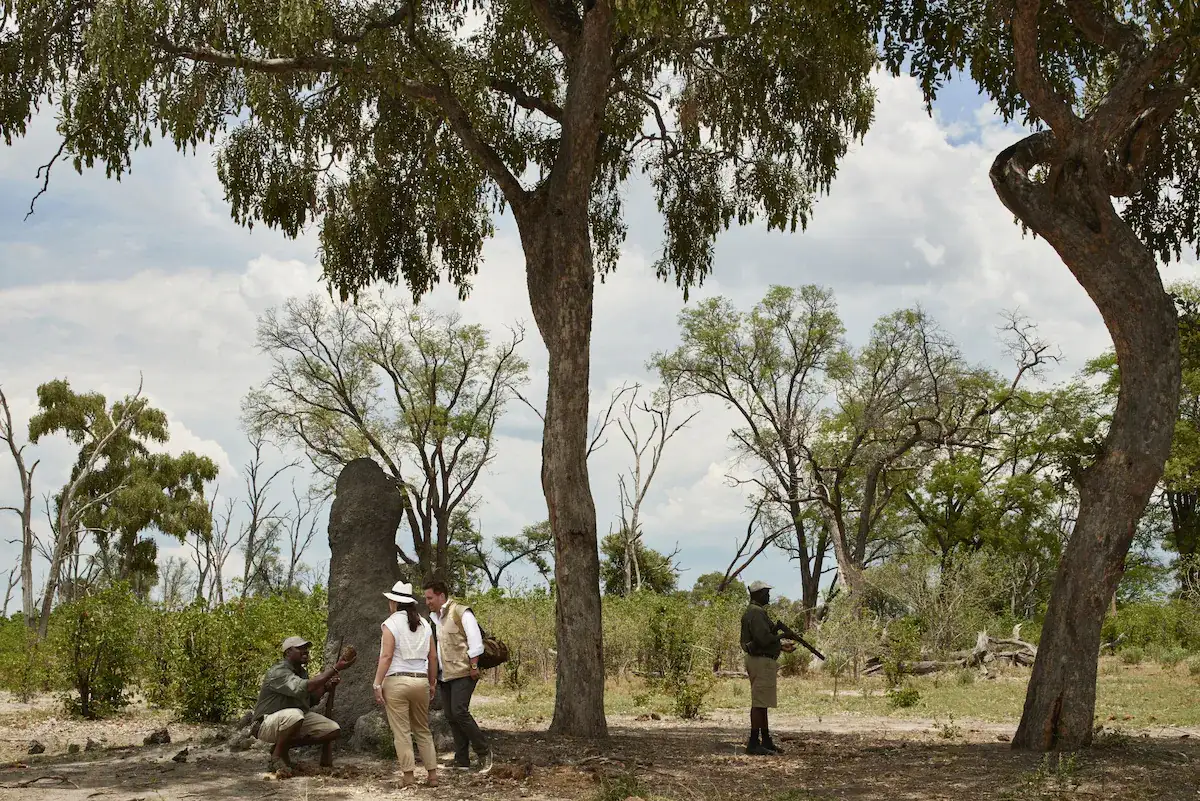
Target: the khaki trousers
(763, 672)
(311, 725)
(406, 702)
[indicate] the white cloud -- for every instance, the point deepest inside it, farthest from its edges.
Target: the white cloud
(108, 281)
(934, 254)
(183, 439)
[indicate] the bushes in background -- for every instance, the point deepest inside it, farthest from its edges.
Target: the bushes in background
(1158, 626)
(206, 663)
(96, 650)
(209, 662)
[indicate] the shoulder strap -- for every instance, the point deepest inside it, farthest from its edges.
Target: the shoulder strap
(457, 612)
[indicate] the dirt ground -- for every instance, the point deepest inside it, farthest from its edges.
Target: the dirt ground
(840, 757)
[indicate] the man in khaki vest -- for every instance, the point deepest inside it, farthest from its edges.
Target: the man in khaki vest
(459, 644)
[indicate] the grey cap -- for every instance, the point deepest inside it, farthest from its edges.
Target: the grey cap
(758, 585)
(294, 642)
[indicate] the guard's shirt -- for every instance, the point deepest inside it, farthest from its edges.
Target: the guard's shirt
(758, 633)
(284, 687)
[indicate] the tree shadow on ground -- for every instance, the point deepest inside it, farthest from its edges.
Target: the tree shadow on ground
(709, 763)
(666, 760)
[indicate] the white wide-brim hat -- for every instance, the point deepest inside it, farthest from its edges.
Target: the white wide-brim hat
(401, 593)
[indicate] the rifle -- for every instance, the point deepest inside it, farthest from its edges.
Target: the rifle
(786, 631)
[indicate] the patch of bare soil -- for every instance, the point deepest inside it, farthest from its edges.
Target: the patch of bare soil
(832, 758)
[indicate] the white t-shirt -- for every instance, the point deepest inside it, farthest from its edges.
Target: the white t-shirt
(412, 647)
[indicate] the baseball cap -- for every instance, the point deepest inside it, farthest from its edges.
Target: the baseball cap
(759, 585)
(294, 642)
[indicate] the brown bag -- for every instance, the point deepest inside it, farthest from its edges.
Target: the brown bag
(495, 652)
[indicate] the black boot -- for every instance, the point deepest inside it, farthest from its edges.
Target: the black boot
(754, 747)
(769, 746)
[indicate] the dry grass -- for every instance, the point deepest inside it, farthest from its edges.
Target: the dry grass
(854, 747)
(1134, 697)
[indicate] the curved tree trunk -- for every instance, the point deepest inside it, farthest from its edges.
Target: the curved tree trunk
(1121, 276)
(561, 283)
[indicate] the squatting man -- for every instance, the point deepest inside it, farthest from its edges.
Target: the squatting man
(283, 716)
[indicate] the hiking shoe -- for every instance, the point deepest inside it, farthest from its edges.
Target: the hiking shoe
(758, 750)
(485, 762)
(769, 745)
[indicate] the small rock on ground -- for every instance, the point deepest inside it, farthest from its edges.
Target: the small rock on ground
(36, 748)
(160, 738)
(240, 742)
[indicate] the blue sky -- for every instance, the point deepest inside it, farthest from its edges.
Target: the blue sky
(149, 275)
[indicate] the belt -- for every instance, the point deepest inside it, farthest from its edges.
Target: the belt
(410, 675)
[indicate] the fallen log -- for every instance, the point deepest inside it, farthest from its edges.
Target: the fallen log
(987, 649)
(920, 668)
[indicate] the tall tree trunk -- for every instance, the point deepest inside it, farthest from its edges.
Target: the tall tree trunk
(58, 555)
(628, 566)
(1121, 276)
(810, 588)
(811, 562)
(561, 281)
(441, 548)
(27, 604)
(850, 570)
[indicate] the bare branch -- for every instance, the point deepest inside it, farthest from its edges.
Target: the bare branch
(270, 66)
(43, 172)
(533, 408)
(603, 421)
(528, 101)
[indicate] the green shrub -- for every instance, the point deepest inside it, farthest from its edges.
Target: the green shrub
(797, 663)
(25, 664)
(1171, 624)
(516, 673)
(966, 677)
(903, 646)
(1170, 658)
(526, 624)
(1194, 667)
(213, 660)
(689, 694)
(96, 648)
(680, 666)
(903, 697)
(1132, 656)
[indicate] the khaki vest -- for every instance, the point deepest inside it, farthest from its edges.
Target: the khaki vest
(456, 664)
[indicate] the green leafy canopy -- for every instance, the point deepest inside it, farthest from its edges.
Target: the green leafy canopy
(404, 126)
(1084, 50)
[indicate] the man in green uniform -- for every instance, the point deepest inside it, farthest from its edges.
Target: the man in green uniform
(282, 715)
(762, 644)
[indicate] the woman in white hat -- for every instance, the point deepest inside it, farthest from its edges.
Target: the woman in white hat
(406, 680)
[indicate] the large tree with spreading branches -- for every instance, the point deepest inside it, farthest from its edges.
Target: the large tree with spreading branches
(1108, 88)
(405, 127)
